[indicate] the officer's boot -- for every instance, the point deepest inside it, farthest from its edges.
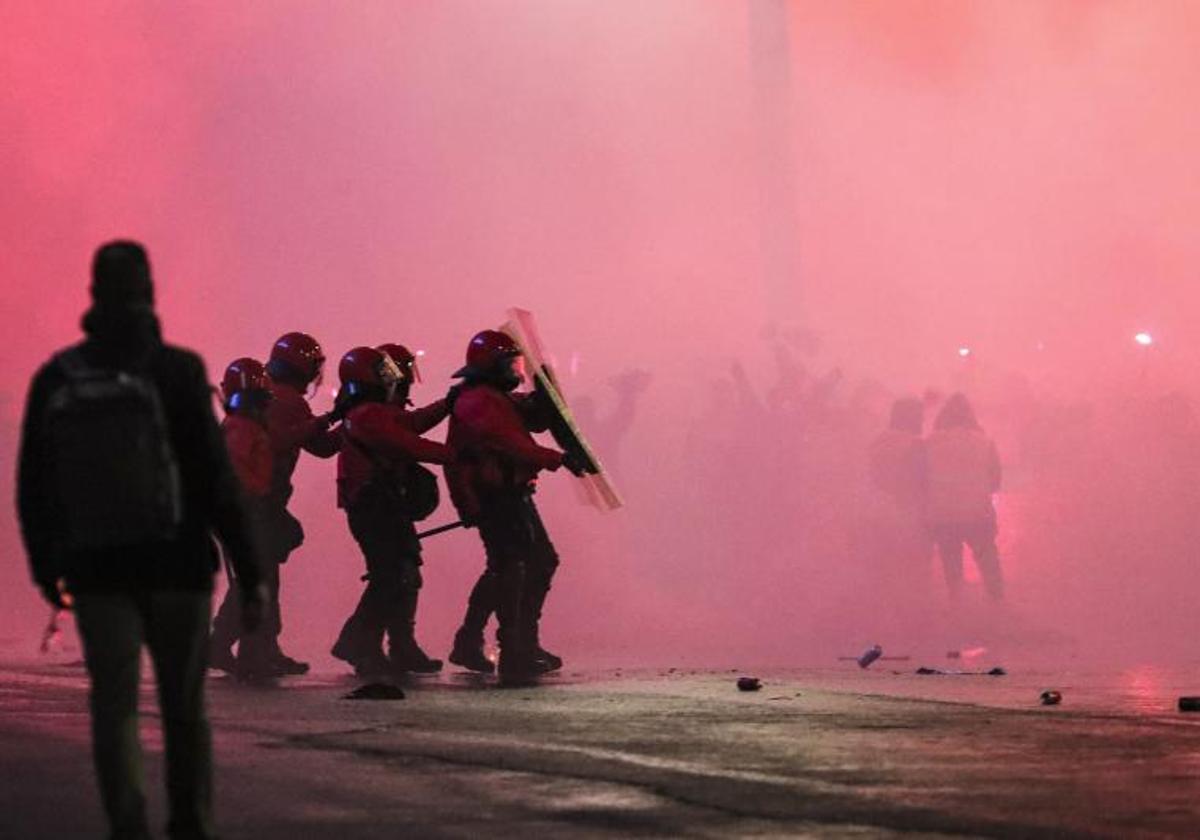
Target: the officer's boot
(226, 628)
(361, 645)
(468, 641)
(405, 654)
(468, 653)
(537, 588)
(517, 666)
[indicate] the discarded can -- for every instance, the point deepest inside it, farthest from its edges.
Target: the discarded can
(1051, 698)
(869, 656)
(1189, 704)
(749, 684)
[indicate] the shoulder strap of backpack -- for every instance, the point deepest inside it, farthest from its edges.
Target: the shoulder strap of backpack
(72, 363)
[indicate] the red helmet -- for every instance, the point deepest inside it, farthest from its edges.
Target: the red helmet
(243, 374)
(486, 351)
(367, 366)
(296, 354)
(404, 359)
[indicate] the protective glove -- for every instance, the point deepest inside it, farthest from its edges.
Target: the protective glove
(577, 462)
(540, 394)
(54, 595)
(254, 604)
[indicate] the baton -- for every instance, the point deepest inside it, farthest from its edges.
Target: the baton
(441, 529)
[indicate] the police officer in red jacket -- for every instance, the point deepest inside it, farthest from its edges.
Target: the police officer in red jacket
(296, 364)
(381, 445)
(491, 484)
(245, 394)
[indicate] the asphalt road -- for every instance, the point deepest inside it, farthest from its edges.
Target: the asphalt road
(632, 755)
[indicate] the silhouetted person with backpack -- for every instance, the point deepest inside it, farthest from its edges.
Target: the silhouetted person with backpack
(123, 481)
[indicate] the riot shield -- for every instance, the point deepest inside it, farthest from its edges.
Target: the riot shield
(597, 483)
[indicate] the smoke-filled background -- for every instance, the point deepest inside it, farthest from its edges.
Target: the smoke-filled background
(744, 226)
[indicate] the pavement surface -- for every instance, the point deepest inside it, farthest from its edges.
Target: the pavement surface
(831, 753)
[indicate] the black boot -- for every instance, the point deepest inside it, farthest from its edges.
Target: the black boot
(545, 660)
(404, 652)
(468, 653)
(409, 658)
(366, 663)
(517, 667)
(287, 665)
(252, 667)
(221, 658)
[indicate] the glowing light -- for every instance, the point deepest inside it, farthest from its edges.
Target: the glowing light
(420, 353)
(1144, 339)
(964, 352)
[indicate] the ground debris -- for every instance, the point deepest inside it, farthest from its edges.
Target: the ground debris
(941, 672)
(376, 691)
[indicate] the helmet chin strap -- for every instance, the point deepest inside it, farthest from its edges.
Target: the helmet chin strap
(314, 386)
(399, 393)
(507, 376)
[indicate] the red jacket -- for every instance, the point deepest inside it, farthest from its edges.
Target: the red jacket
(494, 450)
(292, 427)
(379, 438)
(250, 451)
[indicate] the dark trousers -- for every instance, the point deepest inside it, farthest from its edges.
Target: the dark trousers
(388, 604)
(521, 562)
(277, 533)
(263, 643)
(980, 535)
(174, 625)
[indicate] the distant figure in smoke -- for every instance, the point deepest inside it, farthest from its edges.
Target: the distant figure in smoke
(123, 479)
(900, 546)
(610, 429)
(491, 484)
(897, 457)
(962, 473)
(383, 490)
(296, 364)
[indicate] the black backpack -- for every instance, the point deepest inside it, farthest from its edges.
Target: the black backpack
(420, 492)
(112, 471)
(413, 488)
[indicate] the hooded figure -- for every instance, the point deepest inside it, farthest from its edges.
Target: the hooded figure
(123, 416)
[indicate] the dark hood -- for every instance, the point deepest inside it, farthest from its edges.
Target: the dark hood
(122, 335)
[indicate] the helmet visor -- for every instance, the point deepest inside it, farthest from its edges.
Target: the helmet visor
(390, 375)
